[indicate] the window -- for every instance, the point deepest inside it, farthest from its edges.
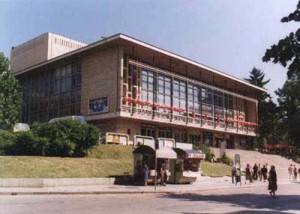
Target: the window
(164, 90)
(194, 139)
(147, 85)
(148, 131)
(206, 96)
(179, 95)
(51, 93)
(180, 137)
(165, 133)
(194, 99)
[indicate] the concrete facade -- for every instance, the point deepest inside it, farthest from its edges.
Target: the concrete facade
(40, 49)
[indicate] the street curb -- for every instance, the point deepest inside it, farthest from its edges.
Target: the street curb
(121, 192)
(15, 193)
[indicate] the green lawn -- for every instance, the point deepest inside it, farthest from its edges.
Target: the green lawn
(102, 161)
(215, 169)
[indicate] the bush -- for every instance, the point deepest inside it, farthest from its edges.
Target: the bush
(7, 142)
(66, 138)
(26, 144)
(226, 160)
(209, 155)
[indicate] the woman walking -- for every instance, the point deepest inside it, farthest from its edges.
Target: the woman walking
(272, 181)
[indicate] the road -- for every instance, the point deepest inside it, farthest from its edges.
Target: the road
(235, 200)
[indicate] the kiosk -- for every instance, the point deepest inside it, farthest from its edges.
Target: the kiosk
(185, 169)
(149, 154)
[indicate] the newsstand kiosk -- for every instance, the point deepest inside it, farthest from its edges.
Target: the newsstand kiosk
(185, 169)
(146, 153)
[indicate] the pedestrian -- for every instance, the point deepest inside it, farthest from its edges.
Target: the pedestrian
(146, 174)
(259, 172)
(290, 171)
(233, 173)
(255, 170)
(272, 181)
(248, 174)
(292, 178)
(238, 176)
(165, 169)
(162, 176)
(295, 173)
(138, 172)
(264, 172)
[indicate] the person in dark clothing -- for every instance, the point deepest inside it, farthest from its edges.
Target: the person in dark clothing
(248, 174)
(272, 181)
(146, 174)
(264, 172)
(255, 169)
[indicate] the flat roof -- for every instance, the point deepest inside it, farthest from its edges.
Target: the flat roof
(124, 37)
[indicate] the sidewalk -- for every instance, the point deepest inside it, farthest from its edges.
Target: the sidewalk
(204, 184)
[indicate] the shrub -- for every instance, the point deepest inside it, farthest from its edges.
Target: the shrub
(7, 142)
(26, 144)
(209, 155)
(66, 138)
(226, 160)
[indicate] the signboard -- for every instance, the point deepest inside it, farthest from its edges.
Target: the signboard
(222, 148)
(98, 105)
(237, 161)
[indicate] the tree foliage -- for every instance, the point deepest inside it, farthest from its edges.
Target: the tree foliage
(267, 109)
(257, 77)
(287, 53)
(10, 96)
(287, 50)
(62, 138)
(66, 138)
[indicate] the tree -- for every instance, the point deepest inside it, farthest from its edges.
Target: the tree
(287, 50)
(257, 78)
(267, 109)
(287, 53)
(10, 96)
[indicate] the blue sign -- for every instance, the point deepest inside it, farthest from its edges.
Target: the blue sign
(98, 105)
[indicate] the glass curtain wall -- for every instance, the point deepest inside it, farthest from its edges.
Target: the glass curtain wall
(206, 96)
(51, 93)
(179, 96)
(162, 89)
(194, 100)
(147, 87)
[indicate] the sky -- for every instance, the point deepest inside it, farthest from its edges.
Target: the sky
(228, 35)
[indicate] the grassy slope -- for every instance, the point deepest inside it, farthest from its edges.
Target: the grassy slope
(215, 169)
(103, 161)
(98, 164)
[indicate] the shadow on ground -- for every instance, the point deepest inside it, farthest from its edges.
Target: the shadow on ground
(279, 204)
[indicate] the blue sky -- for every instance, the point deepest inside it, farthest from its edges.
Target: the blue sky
(228, 35)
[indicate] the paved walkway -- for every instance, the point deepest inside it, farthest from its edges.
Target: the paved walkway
(203, 184)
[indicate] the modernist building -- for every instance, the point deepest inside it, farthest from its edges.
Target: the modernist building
(124, 85)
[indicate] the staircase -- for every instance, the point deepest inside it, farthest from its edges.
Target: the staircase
(251, 157)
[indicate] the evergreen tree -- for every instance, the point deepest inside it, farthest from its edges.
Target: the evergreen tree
(267, 109)
(10, 96)
(257, 78)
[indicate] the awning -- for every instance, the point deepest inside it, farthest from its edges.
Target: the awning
(166, 152)
(194, 154)
(190, 153)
